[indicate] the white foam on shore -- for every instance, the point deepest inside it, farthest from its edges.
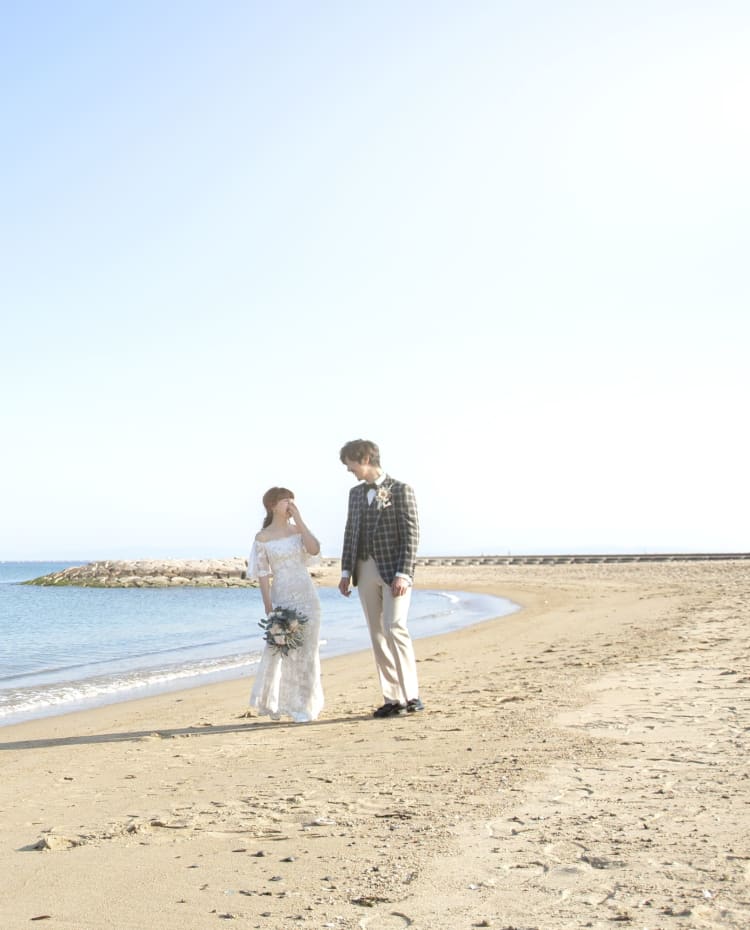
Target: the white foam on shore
(19, 704)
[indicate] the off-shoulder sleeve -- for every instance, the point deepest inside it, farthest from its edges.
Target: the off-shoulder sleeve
(257, 563)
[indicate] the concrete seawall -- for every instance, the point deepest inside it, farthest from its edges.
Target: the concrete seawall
(580, 559)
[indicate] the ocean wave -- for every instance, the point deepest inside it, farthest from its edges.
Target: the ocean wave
(25, 703)
(110, 662)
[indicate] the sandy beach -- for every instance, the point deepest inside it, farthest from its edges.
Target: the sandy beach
(581, 763)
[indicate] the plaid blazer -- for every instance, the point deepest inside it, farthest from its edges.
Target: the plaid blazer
(396, 534)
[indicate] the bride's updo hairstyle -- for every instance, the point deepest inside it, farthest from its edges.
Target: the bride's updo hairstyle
(271, 499)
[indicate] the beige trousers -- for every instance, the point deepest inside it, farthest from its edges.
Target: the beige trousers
(391, 643)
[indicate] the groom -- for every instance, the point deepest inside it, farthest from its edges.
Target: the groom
(380, 551)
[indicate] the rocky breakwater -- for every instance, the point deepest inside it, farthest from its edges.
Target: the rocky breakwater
(152, 573)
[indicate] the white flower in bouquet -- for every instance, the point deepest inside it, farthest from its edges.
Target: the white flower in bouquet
(283, 629)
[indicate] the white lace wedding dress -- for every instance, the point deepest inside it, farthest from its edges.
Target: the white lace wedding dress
(289, 685)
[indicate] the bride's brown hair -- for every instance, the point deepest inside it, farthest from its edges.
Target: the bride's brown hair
(271, 499)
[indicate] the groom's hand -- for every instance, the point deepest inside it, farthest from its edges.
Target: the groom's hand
(345, 585)
(399, 587)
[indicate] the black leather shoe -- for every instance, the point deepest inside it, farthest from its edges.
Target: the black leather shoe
(414, 705)
(389, 709)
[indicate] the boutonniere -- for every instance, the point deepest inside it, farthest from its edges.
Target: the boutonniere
(383, 497)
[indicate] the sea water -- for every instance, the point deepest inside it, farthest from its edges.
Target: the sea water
(65, 649)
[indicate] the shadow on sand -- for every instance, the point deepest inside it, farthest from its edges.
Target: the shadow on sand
(208, 729)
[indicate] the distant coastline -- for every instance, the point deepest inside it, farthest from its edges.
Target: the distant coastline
(232, 573)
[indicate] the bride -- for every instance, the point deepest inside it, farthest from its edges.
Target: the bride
(287, 682)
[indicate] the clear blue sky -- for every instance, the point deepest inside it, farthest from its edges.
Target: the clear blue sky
(506, 240)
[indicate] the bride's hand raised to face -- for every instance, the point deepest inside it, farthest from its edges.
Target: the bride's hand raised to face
(311, 544)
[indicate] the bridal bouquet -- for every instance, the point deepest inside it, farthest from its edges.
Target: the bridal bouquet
(283, 629)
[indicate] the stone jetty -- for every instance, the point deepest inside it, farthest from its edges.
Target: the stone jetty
(157, 573)
(152, 573)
